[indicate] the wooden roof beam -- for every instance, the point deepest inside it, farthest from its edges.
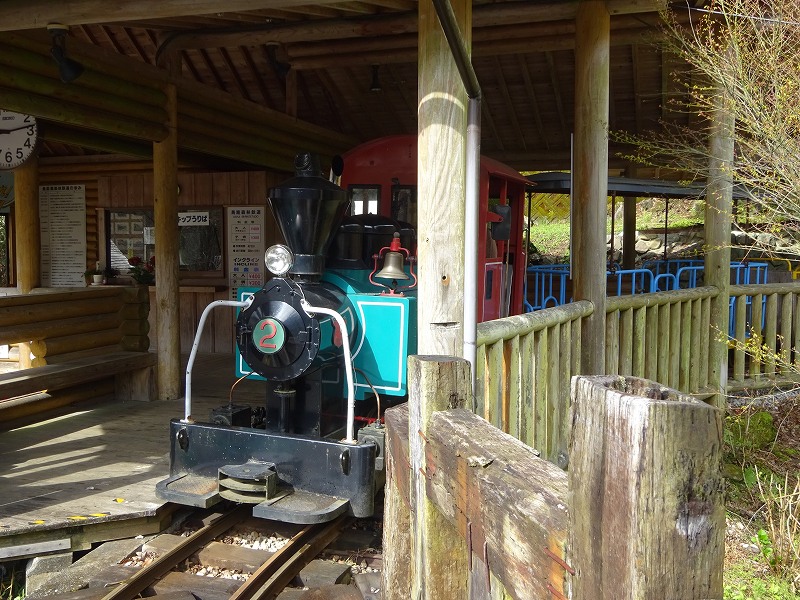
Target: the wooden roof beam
(486, 17)
(36, 14)
(387, 50)
(562, 120)
(512, 114)
(531, 94)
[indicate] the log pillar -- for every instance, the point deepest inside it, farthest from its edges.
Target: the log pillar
(441, 179)
(165, 212)
(718, 217)
(27, 238)
(590, 175)
(646, 492)
(440, 560)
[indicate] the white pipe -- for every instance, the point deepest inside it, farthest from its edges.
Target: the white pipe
(348, 363)
(187, 410)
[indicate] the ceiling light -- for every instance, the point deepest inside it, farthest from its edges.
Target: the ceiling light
(68, 69)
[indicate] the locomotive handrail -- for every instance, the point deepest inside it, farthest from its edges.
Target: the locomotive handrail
(187, 409)
(348, 363)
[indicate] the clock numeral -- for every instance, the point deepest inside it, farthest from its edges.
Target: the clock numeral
(27, 119)
(19, 153)
(9, 157)
(31, 130)
(27, 143)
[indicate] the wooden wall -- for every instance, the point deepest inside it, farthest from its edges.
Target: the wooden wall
(128, 185)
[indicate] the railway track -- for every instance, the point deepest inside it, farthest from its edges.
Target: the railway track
(165, 575)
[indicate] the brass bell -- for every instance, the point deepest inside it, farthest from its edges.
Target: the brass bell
(392, 266)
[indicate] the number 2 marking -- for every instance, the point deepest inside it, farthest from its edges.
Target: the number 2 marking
(273, 332)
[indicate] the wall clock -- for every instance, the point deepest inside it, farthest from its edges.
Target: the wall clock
(18, 136)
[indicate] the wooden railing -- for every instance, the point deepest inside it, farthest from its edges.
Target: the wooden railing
(663, 337)
(525, 362)
(765, 323)
(523, 370)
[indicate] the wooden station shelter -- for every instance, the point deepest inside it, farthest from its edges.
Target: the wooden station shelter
(193, 106)
(169, 109)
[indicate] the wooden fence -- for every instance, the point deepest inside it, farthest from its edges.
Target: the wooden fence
(765, 343)
(523, 369)
(525, 362)
(471, 512)
(663, 337)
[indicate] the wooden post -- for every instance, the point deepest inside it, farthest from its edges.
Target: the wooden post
(590, 174)
(165, 212)
(26, 217)
(718, 216)
(27, 237)
(396, 508)
(629, 232)
(441, 179)
(646, 492)
(440, 564)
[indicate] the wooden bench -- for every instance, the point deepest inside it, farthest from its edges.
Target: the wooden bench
(82, 344)
(132, 372)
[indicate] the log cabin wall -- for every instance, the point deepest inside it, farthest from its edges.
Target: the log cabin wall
(129, 185)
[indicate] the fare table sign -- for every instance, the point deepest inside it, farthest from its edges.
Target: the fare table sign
(245, 247)
(62, 225)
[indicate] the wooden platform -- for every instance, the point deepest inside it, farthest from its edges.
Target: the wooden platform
(90, 475)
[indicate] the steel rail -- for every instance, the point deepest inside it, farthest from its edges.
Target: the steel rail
(130, 588)
(282, 567)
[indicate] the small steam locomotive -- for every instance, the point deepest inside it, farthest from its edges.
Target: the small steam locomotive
(329, 333)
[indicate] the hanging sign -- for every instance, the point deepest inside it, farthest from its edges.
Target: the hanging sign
(193, 218)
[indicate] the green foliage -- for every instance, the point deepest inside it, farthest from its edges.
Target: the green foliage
(743, 582)
(761, 539)
(749, 429)
(12, 581)
(551, 238)
(779, 540)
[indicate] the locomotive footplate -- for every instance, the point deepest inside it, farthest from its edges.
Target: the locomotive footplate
(291, 478)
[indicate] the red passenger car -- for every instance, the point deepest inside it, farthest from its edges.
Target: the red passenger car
(381, 178)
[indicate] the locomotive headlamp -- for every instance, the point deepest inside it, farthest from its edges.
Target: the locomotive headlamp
(279, 259)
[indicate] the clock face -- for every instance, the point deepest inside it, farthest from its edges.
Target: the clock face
(18, 135)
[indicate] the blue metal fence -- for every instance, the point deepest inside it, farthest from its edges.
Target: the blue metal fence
(548, 285)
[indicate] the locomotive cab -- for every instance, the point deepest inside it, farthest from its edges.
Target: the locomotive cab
(321, 340)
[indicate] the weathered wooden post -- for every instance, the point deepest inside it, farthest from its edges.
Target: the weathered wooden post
(442, 126)
(397, 508)
(717, 229)
(439, 566)
(590, 174)
(646, 492)
(424, 555)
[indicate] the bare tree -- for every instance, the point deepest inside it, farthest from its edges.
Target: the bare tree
(751, 50)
